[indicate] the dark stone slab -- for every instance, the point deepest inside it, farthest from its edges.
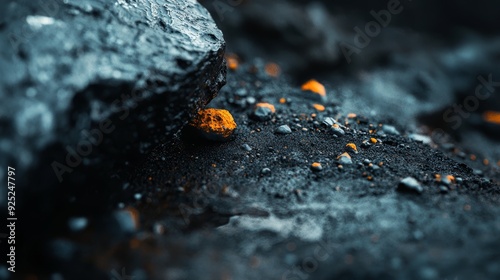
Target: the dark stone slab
(83, 80)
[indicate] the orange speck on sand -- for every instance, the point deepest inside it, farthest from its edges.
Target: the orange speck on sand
(352, 147)
(232, 61)
(498, 163)
(266, 105)
(473, 157)
(486, 161)
(215, 122)
(351, 115)
(272, 69)
(492, 117)
(314, 86)
(319, 107)
(316, 165)
(373, 140)
(344, 155)
(451, 178)
(282, 100)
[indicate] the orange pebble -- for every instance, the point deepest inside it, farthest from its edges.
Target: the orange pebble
(314, 86)
(232, 62)
(216, 124)
(272, 69)
(492, 117)
(319, 107)
(266, 105)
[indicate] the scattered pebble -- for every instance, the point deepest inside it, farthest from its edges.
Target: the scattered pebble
(420, 138)
(263, 111)
(337, 131)
(443, 189)
(283, 129)
(314, 86)
(328, 121)
(265, 171)
(319, 107)
(214, 124)
(411, 185)
(351, 147)
(316, 166)
(389, 129)
(344, 159)
(246, 147)
(272, 69)
(77, 224)
(373, 140)
(232, 62)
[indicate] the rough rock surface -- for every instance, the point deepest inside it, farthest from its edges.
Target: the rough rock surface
(114, 77)
(205, 210)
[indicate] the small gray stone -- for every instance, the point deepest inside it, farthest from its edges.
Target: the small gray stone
(420, 138)
(246, 147)
(262, 114)
(283, 129)
(345, 160)
(338, 131)
(389, 129)
(265, 171)
(410, 185)
(77, 223)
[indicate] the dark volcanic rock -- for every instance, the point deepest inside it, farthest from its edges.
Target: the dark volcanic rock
(84, 77)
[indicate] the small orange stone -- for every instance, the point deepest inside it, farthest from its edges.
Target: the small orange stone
(351, 115)
(316, 166)
(272, 69)
(282, 100)
(351, 147)
(319, 107)
(266, 105)
(232, 62)
(215, 124)
(451, 178)
(314, 86)
(473, 157)
(492, 117)
(486, 161)
(373, 140)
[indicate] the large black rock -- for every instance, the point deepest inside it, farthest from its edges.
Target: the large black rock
(83, 80)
